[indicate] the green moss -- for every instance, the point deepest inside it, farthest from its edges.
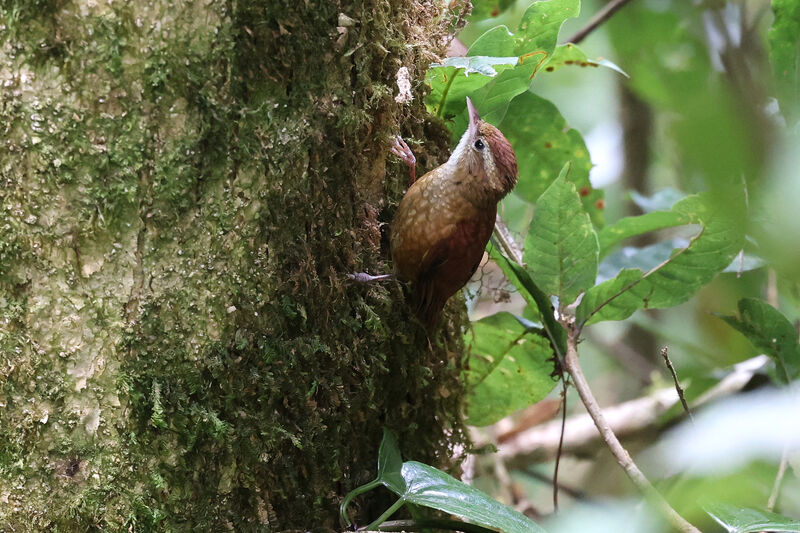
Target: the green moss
(202, 178)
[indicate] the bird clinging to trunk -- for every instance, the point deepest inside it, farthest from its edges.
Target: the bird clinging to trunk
(444, 221)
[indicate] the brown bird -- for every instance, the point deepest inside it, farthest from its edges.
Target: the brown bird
(444, 221)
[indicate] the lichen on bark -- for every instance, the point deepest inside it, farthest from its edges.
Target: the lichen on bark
(184, 189)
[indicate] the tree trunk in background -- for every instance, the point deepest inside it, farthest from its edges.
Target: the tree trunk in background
(184, 189)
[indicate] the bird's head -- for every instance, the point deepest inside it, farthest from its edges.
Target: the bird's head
(486, 155)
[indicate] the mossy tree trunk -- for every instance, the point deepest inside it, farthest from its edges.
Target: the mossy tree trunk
(184, 188)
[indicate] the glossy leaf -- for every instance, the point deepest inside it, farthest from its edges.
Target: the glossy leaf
(424, 485)
(571, 55)
(561, 248)
(785, 55)
(768, 330)
(508, 368)
(746, 520)
(545, 143)
(628, 227)
(678, 277)
(430, 487)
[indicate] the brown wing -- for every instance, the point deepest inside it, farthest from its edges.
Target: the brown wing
(449, 265)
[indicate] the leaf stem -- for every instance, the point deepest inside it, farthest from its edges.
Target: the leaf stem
(446, 90)
(389, 512)
(352, 494)
(620, 453)
(433, 523)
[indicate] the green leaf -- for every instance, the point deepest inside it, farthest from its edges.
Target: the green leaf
(450, 86)
(571, 55)
(536, 298)
(533, 43)
(424, 485)
(544, 144)
(631, 226)
(768, 330)
(539, 27)
(390, 462)
(678, 277)
(785, 55)
(477, 64)
(430, 487)
(561, 248)
(492, 99)
(508, 368)
(745, 520)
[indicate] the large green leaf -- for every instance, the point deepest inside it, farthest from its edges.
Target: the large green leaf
(631, 226)
(678, 277)
(433, 488)
(561, 248)
(768, 330)
(785, 55)
(544, 144)
(533, 43)
(508, 368)
(424, 485)
(737, 519)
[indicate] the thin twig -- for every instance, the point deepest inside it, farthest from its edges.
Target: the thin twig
(620, 454)
(678, 387)
(560, 438)
(599, 18)
(776, 487)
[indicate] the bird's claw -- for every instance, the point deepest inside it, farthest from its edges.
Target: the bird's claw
(401, 150)
(363, 277)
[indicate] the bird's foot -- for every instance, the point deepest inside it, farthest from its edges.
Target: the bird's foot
(401, 150)
(363, 277)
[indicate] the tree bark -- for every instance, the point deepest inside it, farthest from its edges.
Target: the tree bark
(185, 187)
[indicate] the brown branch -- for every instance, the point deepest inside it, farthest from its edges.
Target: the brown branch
(539, 442)
(620, 454)
(600, 17)
(678, 387)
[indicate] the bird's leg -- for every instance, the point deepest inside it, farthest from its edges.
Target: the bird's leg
(363, 277)
(401, 150)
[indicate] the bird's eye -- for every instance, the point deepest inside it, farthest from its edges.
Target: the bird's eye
(479, 144)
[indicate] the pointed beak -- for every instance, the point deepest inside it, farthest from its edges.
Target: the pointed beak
(474, 117)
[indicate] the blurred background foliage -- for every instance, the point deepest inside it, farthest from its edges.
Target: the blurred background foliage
(665, 100)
